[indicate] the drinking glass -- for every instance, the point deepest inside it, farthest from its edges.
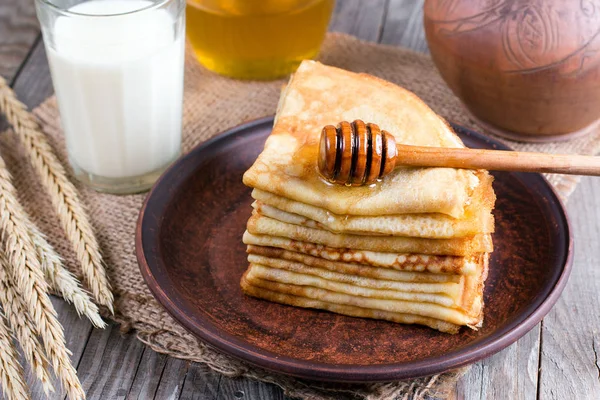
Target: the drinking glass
(117, 70)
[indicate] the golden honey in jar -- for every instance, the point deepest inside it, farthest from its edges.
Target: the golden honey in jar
(256, 39)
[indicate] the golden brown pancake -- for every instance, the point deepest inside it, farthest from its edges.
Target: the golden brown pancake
(477, 219)
(261, 225)
(352, 311)
(280, 255)
(270, 268)
(425, 309)
(319, 95)
(397, 261)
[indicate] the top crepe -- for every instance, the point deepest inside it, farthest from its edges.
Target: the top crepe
(319, 95)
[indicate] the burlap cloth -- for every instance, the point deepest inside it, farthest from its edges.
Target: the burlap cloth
(213, 104)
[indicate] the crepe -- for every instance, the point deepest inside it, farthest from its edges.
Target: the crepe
(397, 261)
(412, 225)
(269, 268)
(352, 311)
(261, 225)
(318, 95)
(257, 271)
(425, 309)
(277, 258)
(461, 295)
(477, 219)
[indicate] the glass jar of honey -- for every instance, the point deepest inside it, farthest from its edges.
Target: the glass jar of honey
(256, 39)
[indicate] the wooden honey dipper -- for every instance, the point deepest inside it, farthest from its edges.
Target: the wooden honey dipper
(356, 154)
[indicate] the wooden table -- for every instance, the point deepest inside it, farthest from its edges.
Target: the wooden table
(558, 359)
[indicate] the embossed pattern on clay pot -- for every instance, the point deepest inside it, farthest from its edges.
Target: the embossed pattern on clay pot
(527, 69)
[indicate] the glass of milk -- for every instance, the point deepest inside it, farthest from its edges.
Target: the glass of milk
(117, 70)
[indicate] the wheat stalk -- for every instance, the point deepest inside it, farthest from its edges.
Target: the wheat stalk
(11, 372)
(26, 273)
(18, 319)
(62, 193)
(62, 281)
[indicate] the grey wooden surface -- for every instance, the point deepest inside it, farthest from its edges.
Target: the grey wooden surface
(558, 359)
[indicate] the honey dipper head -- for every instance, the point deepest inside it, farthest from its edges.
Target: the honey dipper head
(356, 153)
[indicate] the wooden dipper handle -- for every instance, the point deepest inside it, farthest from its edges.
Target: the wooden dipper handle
(356, 154)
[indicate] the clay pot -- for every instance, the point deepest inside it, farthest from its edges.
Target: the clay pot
(528, 69)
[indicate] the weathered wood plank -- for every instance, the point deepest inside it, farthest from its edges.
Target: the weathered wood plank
(172, 379)
(403, 25)
(246, 389)
(363, 19)
(201, 383)
(110, 363)
(18, 32)
(158, 377)
(148, 376)
(510, 374)
(570, 365)
(34, 85)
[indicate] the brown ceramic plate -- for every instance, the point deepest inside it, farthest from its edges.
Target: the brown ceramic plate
(190, 251)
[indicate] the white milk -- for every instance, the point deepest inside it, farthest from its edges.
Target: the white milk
(119, 84)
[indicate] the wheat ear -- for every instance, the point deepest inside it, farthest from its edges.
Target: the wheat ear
(26, 273)
(62, 281)
(21, 325)
(11, 373)
(62, 193)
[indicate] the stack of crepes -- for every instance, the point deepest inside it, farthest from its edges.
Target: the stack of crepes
(412, 248)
